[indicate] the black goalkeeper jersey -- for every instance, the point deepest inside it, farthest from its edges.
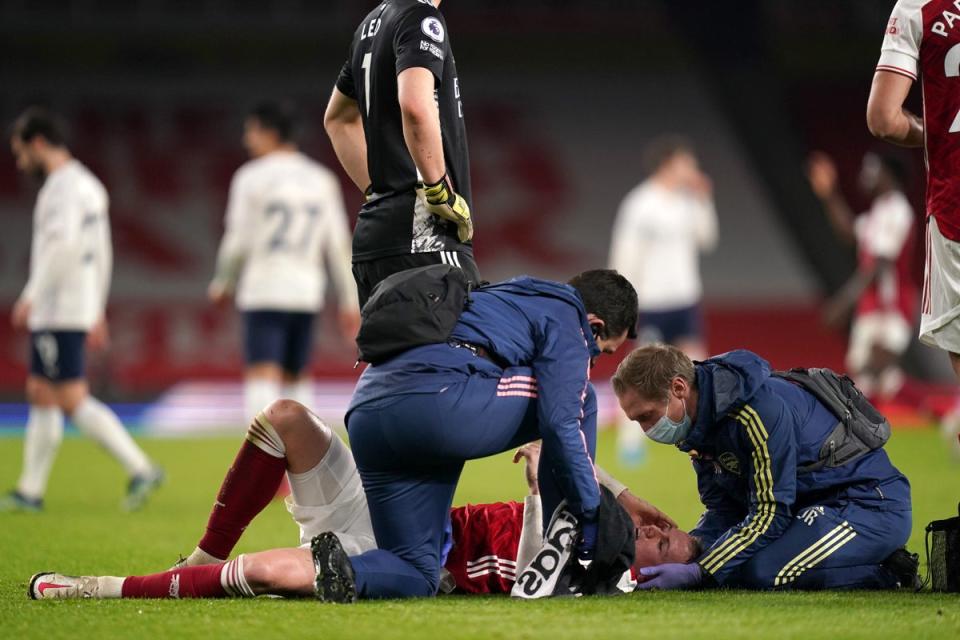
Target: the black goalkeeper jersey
(398, 35)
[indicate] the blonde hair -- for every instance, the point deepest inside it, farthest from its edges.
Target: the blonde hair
(648, 370)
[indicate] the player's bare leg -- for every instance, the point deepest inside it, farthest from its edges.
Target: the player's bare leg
(285, 437)
(261, 386)
(280, 572)
(881, 367)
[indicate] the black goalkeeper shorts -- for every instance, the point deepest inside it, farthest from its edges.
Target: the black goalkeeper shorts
(369, 273)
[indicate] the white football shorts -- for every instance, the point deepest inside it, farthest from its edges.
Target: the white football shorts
(330, 497)
(940, 317)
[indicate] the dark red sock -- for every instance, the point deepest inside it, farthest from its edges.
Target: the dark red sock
(188, 582)
(249, 486)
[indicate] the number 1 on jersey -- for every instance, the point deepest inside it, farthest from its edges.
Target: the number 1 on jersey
(365, 65)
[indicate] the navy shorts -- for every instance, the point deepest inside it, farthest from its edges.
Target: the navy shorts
(671, 325)
(57, 356)
(281, 337)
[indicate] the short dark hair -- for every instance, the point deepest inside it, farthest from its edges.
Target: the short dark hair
(895, 167)
(662, 149)
(280, 117)
(609, 296)
(40, 121)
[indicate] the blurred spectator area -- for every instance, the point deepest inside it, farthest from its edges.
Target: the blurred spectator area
(560, 98)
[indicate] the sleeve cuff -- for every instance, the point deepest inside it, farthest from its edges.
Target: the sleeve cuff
(898, 62)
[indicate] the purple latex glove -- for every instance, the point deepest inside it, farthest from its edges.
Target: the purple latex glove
(674, 575)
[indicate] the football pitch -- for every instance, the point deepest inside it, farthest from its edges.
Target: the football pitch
(84, 532)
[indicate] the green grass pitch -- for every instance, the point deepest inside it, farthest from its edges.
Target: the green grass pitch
(83, 531)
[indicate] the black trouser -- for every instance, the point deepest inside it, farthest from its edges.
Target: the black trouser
(370, 272)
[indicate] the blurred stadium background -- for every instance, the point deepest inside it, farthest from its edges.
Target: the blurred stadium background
(560, 98)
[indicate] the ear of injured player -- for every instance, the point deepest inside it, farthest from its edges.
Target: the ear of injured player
(656, 545)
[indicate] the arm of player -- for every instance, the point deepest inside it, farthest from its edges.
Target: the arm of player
(59, 237)
(421, 122)
(822, 174)
(104, 263)
(722, 511)
(531, 532)
(641, 511)
(842, 304)
(235, 244)
(561, 366)
(897, 70)
(705, 220)
(767, 440)
(338, 252)
(887, 118)
(344, 125)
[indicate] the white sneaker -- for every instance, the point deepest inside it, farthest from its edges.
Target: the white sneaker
(49, 586)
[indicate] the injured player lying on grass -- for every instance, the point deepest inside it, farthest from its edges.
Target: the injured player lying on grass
(491, 543)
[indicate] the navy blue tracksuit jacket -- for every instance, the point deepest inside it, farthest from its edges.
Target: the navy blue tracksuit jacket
(416, 418)
(766, 525)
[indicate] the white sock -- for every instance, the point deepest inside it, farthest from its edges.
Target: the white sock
(109, 587)
(890, 382)
(301, 391)
(257, 394)
(100, 423)
(233, 580)
(200, 557)
(40, 445)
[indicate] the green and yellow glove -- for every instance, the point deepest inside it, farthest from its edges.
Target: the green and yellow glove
(443, 201)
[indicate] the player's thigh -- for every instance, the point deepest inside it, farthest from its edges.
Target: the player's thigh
(864, 333)
(465, 262)
(71, 394)
(41, 392)
(827, 537)
(299, 340)
(941, 292)
(330, 497)
(264, 338)
(409, 511)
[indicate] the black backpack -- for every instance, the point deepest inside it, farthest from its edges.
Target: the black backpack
(411, 308)
(861, 428)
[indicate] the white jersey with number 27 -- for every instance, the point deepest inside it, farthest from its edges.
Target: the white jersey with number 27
(284, 216)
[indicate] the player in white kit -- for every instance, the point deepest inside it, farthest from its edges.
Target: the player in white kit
(285, 215)
(661, 228)
(922, 40)
(63, 307)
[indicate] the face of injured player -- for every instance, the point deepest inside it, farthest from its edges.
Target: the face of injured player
(28, 157)
(658, 546)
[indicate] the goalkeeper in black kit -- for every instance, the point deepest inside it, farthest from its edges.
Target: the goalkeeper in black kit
(396, 123)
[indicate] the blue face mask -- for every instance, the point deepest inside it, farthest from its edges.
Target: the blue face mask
(666, 431)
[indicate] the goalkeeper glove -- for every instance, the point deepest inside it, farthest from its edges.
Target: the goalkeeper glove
(446, 203)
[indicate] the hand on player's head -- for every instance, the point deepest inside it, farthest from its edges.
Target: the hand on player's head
(655, 546)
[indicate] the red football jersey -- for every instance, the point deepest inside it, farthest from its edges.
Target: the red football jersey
(884, 232)
(485, 541)
(923, 39)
